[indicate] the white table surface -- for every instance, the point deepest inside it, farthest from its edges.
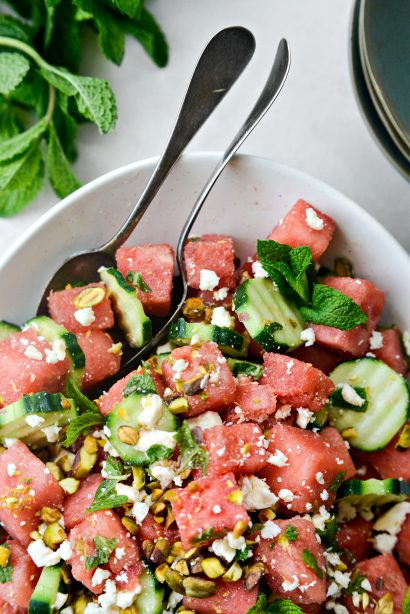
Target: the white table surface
(315, 125)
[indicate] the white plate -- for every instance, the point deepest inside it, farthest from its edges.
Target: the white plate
(248, 200)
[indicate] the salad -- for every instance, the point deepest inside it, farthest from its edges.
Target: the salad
(258, 462)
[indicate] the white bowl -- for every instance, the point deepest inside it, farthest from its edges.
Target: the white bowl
(248, 200)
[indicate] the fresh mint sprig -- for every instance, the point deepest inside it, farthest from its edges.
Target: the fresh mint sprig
(293, 272)
(39, 62)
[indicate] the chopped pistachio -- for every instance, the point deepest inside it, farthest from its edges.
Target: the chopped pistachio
(54, 535)
(234, 573)
(50, 514)
(89, 297)
(212, 567)
(130, 525)
(197, 587)
(70, 485)
(128, 435)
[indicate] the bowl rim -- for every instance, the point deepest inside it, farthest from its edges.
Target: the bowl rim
(212, 156)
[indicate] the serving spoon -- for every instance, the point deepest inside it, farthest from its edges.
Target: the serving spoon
(221, 63)
(273, 86)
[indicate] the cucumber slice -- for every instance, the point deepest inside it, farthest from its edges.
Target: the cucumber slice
(319, 419)
(369, 493)
(229, 341)
(7, 329)
(126, 413)
(151, 598)
(131, 317)
(267, 316)
(45, 594)
(388, 403)
(51, 331)
(53, 408)
(243, 367)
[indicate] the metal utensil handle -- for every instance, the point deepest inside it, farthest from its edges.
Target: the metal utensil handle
(221, 63)
(273, 85)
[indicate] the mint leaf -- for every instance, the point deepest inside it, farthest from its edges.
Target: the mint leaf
(131, 8)
(60, 174)
(32, 93)
(13, 201)
(192, 454)
(283, 606)
(113, 467)
(136, 279)
(310, 561)
(337, 480)
(328, 535)
(140, 384)
(106, 497)
(62, 41)
(20, 143)
(260, 605)
(270, 251)
(146, 31)
(94, 97)
(355, 584)
(13, 69)
(104, 546)
(333, 308)
(287, 267)
(72, 391)
(14, 28)
(20, 172)
(158, 452)
(110, 35)
(6, 571)
(65, 126)
(291, 533)
(9, 122)
(337, 400)
(81, 424)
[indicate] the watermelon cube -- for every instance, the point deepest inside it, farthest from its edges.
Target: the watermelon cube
(295, 382)
(403, 542)
(155, 263)
(204, 366)
(391, 462)
(100, 359)
(206, 509)
(237, 448)
(230, 598)
(370, 300)
(296, 229)
(257, 401)
(355, 536)
(24, 368)
(392, 352)
(25, 492)
(212, 253)
(105, 524)
(286, 572)
(384, 576)
(319, 357)
(312, 461)
(114, 395)
(62, 309)
(75, 505)
(152, 530)
(25, 574)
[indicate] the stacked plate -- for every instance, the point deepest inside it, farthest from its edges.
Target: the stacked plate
(380, 56)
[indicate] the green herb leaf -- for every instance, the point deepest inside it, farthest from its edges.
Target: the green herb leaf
(158, 452)
(14, 28)
(94, 97)
(104, 547)
(270, 251)
(283, 606)
(113, 467)
(333, 308)
(72, 391)
(106, 495)
(193, 456)
(328, 535)
(62, 39)
(243, 555)
(61, 176)
(310, 561)
(136, 279)
(260, 605)
(337, 480)
(13, 69)
(131, 8)
(406, 602)
(337, 400)
(110, 35)
(291, 533)
(140, 384)
(81, 424)
(20, 143)
(13, 201)
(6, 572)
(147, 31)
(20, 179)
(287, 267)
(355, 584)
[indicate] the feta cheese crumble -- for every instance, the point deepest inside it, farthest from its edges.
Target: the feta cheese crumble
(151, 410)
(11, 469)
(258, 270)
(41, 555)
(222, 549)
(270, 530)
(179, 367)
(313, 220)
(256, 493)
(376, 340)
(279, 459)
(384, 542)
(84, 316)
(221, 294)
(304, 417)
(99, 576)
(350, 395)
(34, 420)
(205, 421)
(308, 336)
(51, 433)
(208, 280)
(221, 317)
(286, 495)
(33, 353)
(392, 521)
